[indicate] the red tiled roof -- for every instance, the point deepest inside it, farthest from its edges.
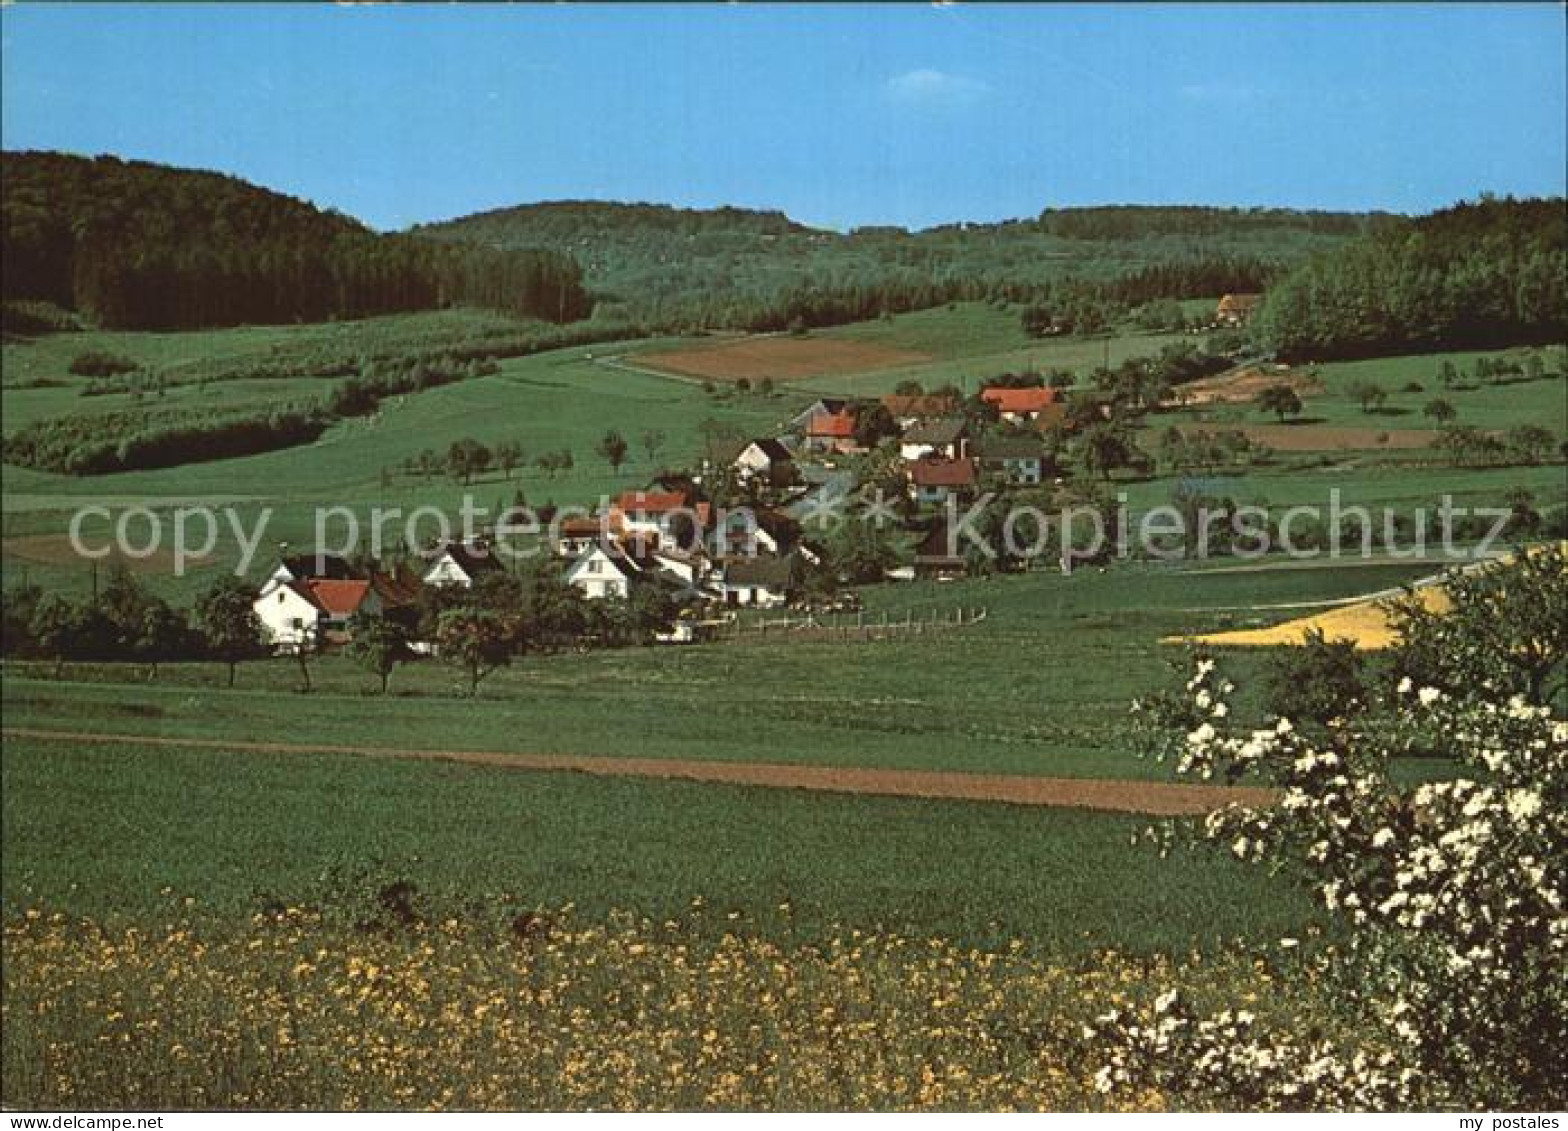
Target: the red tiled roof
(942, 473)
(837, 425)
(650, 502)
(339, 598)
(580, 527)
(1021, 401)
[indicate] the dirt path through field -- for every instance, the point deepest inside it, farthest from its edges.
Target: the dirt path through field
(1155, 798)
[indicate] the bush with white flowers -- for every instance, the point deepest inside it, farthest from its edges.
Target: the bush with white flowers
(1449, 984)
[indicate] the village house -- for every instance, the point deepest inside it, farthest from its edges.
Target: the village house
(909, 409)
(947, 439)
(1237, 309)
(935, 481)
(765, 461)
(832, 433)
(748, 531)
(1017, 460)
(314, 612)
(659, 517)
(1020, 406)
(574, 535)
(766, 581)
(612, 571)
(460, 564)
(822, 406)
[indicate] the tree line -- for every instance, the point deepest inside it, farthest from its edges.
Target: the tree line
(132, 245)
(1486, 273)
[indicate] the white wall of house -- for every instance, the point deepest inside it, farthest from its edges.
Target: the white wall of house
(286, 617)
(446, 571)
(598, 576)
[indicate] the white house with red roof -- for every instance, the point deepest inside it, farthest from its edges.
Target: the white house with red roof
(1018, 406)
(832, 432)
(315, 610)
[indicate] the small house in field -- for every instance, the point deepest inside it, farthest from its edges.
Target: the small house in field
(766, 581)
(832, 432)
(1236, 310)
(935, 481)
(1020, 406)
(947, 438)
(1017, 460)
(908, 410)
(461, 564)
(314, 612)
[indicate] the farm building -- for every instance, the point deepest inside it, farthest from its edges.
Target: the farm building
(1019, 406)
(938, 480)
(947, 438)
(613, 571)
(659, 517)
(907, 410)
(1236, 310)
(1018, 460)
(748, 531)
(764, 460)
(315, 611)
(822, 406)
(460, 563)
(765, 581)
(832, 432)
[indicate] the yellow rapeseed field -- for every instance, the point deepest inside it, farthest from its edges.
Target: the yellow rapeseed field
(287, 1012)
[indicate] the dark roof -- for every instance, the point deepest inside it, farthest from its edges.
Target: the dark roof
(472, 557)
(919, 404)
(332, 567)
(773, 449)
(773, 571)
(946, 431)
(1011, 447)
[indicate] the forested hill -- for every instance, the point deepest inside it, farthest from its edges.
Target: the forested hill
(1480, 274)
(760, 270)
(129, 244)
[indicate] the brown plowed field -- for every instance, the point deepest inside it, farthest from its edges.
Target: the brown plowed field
(1156, 798)
(780, 357)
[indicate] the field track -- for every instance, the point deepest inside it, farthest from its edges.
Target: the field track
(1154, 798)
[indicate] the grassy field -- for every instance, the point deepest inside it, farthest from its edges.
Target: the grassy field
(145, 828)
(1008, 695)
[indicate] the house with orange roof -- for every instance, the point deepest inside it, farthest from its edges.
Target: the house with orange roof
(1019, 406)
(314, 611)
(832, 432)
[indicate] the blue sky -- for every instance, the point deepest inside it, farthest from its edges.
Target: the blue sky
(912, 115)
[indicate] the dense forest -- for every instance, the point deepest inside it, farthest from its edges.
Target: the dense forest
(128, 244)
(740, 269)
(1480, 274)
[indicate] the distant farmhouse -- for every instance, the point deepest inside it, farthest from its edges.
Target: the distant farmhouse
(1236, 310)
(1021, 406)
